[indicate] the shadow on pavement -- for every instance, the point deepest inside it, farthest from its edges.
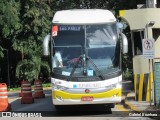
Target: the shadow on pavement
(84, 110)
(46, 108)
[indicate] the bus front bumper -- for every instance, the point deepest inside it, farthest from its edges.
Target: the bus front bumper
(64, 98)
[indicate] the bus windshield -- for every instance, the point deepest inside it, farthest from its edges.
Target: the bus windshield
(86, 48)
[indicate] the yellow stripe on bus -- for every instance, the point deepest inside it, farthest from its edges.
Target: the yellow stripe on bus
(66, 95)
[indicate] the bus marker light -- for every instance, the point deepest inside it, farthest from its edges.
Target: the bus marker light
(54, 30)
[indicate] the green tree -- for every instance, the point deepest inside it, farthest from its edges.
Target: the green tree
(9, 27)
(9, 22)
(30, 69)
(35, 17)
(1, 52)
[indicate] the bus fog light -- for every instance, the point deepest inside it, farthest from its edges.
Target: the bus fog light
(59, 98)
(114, 96)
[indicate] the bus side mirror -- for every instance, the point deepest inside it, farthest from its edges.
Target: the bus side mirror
(124, 43)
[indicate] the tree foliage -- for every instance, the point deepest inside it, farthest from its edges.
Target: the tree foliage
(9, 22)
(30, 69)
(35, 20)
(35, 17)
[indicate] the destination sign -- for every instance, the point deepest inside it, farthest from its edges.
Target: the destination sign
(70, 28)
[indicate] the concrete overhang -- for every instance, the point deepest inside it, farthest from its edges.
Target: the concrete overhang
(139, 18)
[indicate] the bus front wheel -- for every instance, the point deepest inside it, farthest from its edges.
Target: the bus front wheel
(59, 107)
(112, 105)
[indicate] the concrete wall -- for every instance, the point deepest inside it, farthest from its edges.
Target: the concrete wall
(140, 65)
(157, 46)
(138, 18)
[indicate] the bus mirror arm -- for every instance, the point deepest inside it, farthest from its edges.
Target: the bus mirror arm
(46, 45)
(124, 43)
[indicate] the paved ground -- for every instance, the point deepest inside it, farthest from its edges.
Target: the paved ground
(45, 106)
(129, 109)
(141, 108)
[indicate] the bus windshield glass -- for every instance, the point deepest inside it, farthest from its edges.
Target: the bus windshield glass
(86, 49)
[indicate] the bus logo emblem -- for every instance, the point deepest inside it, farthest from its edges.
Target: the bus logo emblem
(87, 90)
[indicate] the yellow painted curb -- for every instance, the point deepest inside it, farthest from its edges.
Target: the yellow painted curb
(131, 105)
(121, 108)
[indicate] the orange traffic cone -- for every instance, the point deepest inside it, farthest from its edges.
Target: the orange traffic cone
(38, 89)
(20, 94)
(26, 93)
(4, 105)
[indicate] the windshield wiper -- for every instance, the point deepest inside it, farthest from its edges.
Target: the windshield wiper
(97, 69)
(78, 61)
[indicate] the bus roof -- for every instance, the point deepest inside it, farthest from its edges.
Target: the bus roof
(83, 16)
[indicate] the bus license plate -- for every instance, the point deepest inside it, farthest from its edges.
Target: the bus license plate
(87, 98)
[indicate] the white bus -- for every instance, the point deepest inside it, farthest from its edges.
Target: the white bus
(85, 57)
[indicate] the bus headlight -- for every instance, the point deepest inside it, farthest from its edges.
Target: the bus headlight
(61, 87)
(110, 87)
(58, 87)
(113, 86)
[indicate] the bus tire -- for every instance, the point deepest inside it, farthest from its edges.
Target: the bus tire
(112, 105)
(59, 107)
